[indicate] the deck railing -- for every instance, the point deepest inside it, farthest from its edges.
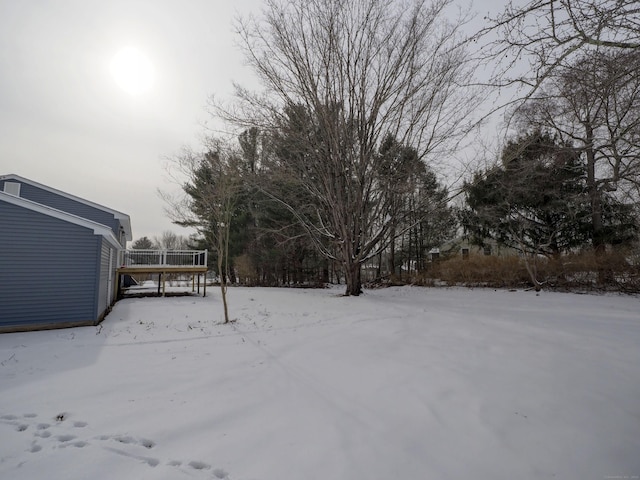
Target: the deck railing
(163, 258)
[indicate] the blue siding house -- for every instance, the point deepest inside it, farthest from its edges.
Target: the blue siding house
(58, 257)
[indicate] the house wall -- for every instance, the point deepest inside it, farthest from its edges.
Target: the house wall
(48, 271)
(68, 205)
(107, 276)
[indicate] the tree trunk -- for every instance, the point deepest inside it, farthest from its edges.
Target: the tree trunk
(392, 252)
(352, 277)
(325, 271)
(595, 199)
(532, 270)
(223, 288)
(594, 196)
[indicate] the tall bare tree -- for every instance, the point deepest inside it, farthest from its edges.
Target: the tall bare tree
(339, 76)
(528, 42)
(594, 104)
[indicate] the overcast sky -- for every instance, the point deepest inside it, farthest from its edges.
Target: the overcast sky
(66, 123)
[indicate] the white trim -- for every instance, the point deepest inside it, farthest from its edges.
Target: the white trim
(122, 217)
(98, 228)
(110, 279)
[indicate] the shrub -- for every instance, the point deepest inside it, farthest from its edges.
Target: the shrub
(618, 270)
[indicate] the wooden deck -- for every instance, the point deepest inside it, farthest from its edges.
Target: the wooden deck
(162, 263)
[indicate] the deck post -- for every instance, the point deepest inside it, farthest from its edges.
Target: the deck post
(118, 292)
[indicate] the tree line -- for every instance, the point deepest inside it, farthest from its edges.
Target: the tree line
(337, 165)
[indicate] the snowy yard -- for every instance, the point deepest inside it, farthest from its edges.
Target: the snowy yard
(401, 383)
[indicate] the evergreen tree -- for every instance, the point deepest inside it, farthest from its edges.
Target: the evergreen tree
(143, 243)
(533, 201)
(537, 200)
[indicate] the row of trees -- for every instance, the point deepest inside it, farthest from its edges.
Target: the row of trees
(167, 240)
(252, 214)
(335, 162)
(357, 95)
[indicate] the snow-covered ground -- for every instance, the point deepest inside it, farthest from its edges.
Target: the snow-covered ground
(400, 383)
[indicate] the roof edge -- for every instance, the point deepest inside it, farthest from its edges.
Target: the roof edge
(125, 220)
(98, 228)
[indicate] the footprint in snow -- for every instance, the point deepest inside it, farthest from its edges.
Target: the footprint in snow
(129, 440)
(199, 465)
(42, 431)
(221, 474)
(129, 446)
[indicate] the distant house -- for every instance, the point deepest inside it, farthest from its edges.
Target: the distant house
(463, 247)
(58, 256)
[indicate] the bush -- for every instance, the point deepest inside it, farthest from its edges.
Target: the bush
(618, 270)
(479, 270)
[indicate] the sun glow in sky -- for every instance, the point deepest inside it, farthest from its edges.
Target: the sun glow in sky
(111, 87)
(133, 71)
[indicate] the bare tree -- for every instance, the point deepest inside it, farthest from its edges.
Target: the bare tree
(594, 104)
(169, 240)
(212, 185)
(528, 43)
(339, 76)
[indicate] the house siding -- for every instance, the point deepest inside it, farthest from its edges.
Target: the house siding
(48, 270)
(60, 202)
(107, 269)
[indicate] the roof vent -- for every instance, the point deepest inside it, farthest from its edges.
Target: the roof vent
(12, 188)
